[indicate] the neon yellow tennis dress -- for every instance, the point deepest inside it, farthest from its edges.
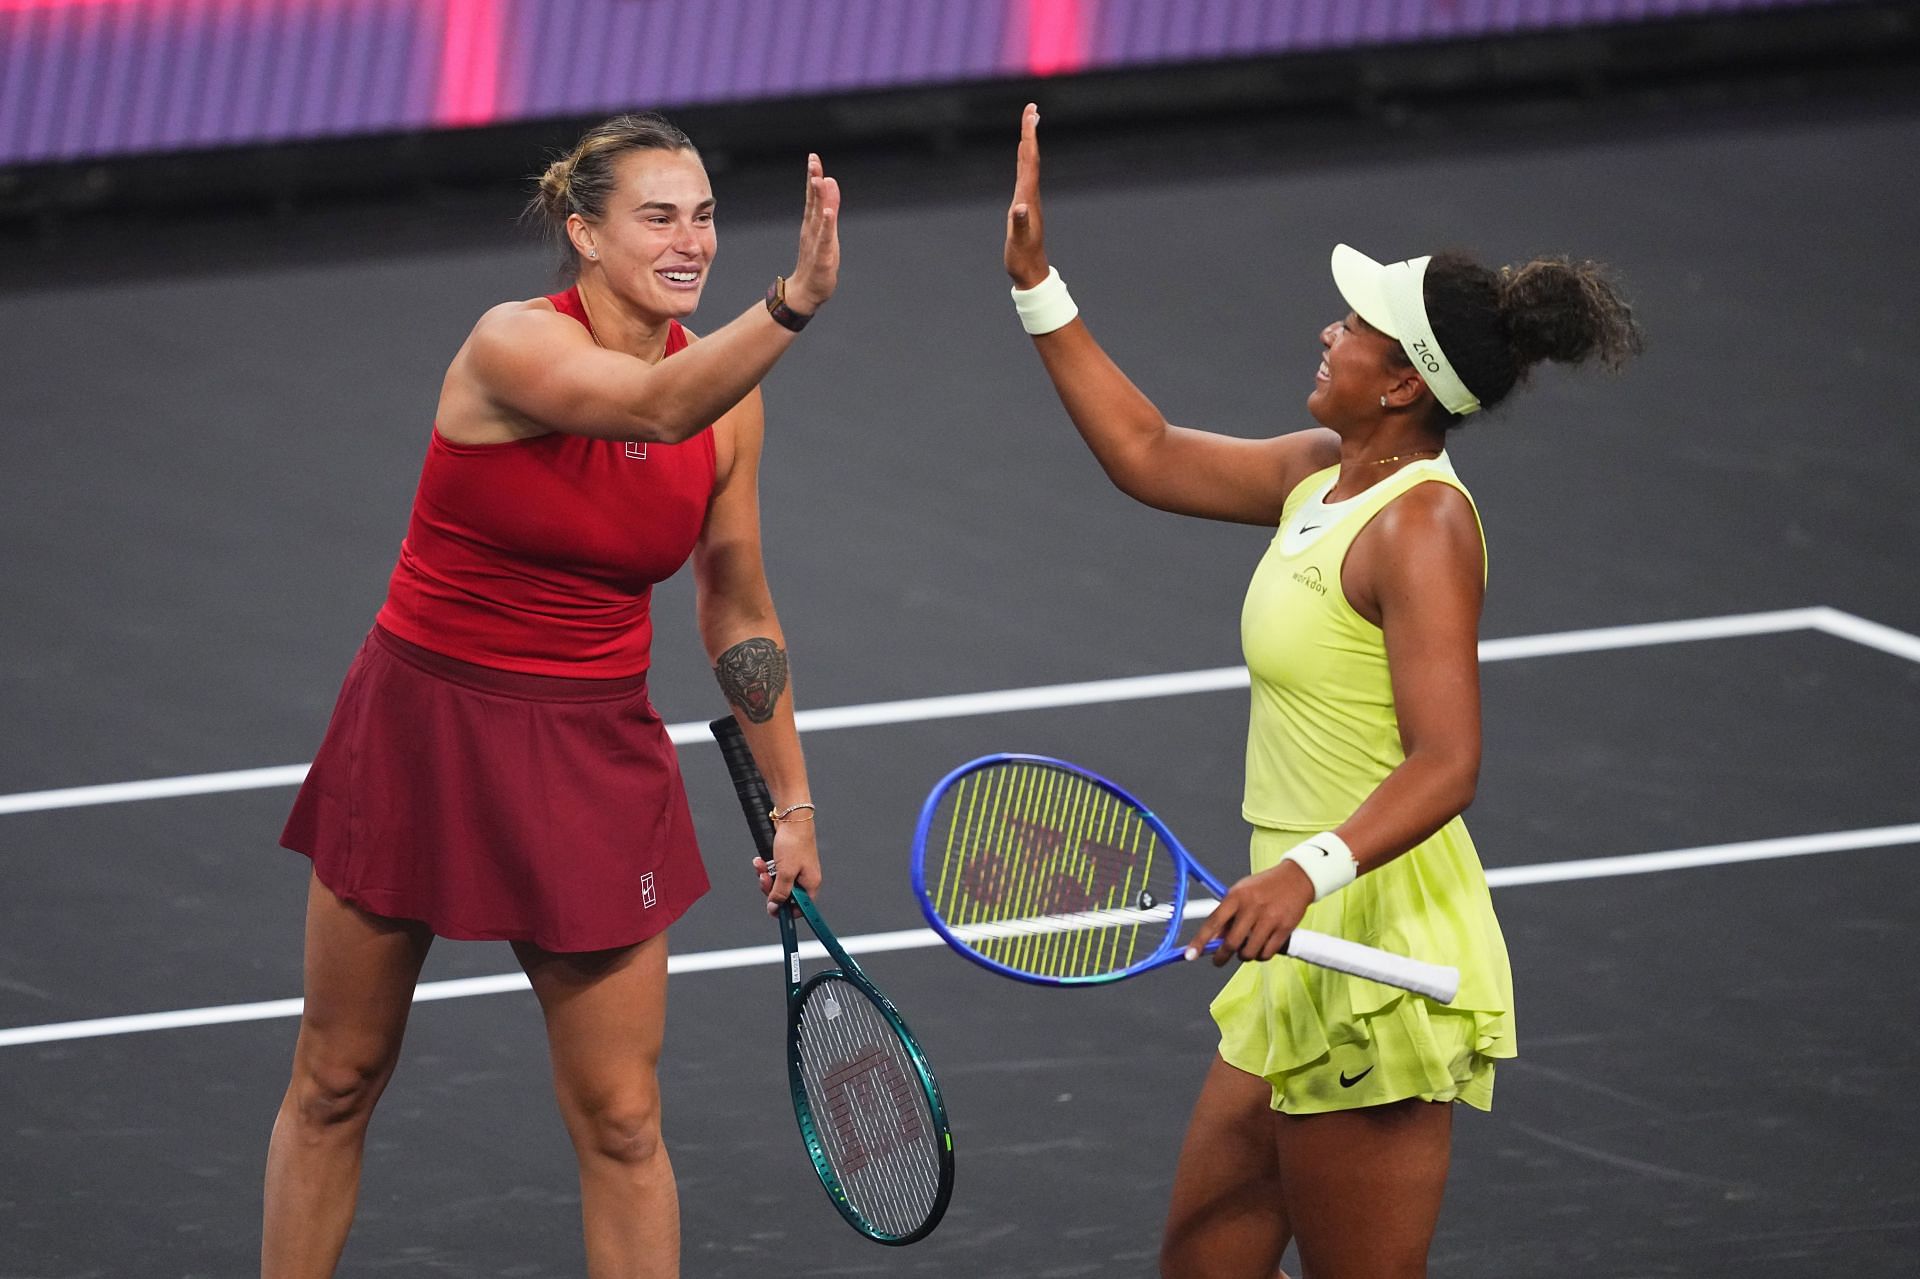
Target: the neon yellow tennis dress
(1322, 735)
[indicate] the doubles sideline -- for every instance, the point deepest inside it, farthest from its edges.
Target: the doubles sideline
(1094, 692)
(920, 938)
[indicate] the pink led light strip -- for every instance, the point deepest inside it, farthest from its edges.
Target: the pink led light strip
(1056, 34)
(471, 45)
(470, 52)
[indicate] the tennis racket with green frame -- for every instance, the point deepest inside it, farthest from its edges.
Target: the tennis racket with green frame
(869, 1107)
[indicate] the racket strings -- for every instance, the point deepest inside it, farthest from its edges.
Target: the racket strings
(871, 1115)
(1046, 872)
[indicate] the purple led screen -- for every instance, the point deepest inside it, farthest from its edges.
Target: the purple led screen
(84, 78)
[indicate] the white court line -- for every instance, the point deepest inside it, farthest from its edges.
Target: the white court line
(1873, 634)
(1092, 692)
(920, 938)
(157, 788)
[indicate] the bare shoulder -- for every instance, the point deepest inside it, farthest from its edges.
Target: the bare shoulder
(1430, 507)
(520, 344)
(1298, 454)
(1316, 448)
(511, 345)
(510, 324)
(1430, 525)
(1420, 554)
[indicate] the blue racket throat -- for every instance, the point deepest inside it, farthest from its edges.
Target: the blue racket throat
(1040, 870)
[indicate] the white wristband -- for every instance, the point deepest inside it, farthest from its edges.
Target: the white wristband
(1046, 306)
(1328, 861)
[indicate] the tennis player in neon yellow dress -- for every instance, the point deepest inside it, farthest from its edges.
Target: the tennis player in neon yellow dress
(1326, 1119)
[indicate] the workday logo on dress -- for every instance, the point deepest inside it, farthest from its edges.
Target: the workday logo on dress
(1309, 577)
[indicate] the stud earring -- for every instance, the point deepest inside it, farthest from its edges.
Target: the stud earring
(1383, 401)
(595, 255)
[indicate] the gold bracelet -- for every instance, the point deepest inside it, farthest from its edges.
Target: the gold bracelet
(787, 814)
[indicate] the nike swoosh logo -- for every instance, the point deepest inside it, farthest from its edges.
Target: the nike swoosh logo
(1348, 1083)
(1309, 528)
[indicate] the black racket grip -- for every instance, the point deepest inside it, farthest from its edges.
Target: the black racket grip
(755, 800)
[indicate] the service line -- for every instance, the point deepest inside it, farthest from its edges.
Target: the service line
(1089, 693)
(920, 938)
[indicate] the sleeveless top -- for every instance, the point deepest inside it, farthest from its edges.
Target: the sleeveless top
(1322, 732)
(539, 555)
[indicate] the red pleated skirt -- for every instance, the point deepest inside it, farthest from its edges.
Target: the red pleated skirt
(497, 806)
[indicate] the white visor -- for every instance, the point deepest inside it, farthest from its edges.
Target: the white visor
(1391, 299)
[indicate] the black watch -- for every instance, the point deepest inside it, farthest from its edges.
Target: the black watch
(783, 315)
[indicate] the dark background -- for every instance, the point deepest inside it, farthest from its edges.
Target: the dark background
(213, 420)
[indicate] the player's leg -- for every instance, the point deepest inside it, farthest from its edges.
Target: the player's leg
(360, 974)
(1363, 1187)
(1227, 1219)
(606, 1014)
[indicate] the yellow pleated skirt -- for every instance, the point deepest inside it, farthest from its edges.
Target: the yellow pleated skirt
(1326, 1041)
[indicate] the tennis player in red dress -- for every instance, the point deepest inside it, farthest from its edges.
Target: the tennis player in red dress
(494, 768)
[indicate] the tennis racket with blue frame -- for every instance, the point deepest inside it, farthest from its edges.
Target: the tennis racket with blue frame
(869, 1107)
(1042, 871)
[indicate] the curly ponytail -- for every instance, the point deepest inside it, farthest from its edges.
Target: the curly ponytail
(582, 180)
(1496, 325)
(1566, 311)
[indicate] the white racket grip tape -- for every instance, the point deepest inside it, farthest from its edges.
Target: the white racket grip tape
(1435, 981)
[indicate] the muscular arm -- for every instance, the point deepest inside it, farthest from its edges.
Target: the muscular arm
(533, 370)
(1174, 468)
(743, 637)
(1417, 571)
(753, 675)
(528, 370)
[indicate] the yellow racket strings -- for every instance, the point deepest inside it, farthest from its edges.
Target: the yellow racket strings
(1048, 873)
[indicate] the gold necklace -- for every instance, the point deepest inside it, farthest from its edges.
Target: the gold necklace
(1401, 457)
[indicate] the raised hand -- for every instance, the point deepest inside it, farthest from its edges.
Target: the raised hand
(1026, 252)
(817, 271)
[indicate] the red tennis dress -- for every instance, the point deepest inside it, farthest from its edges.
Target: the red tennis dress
(493, 766)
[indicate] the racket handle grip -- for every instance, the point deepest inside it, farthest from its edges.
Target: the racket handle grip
(755, 800)
(1435, 981)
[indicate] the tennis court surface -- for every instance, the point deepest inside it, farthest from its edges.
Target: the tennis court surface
(1700, 640)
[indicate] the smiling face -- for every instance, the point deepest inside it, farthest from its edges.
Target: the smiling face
(655, 241)
(1358, 365)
